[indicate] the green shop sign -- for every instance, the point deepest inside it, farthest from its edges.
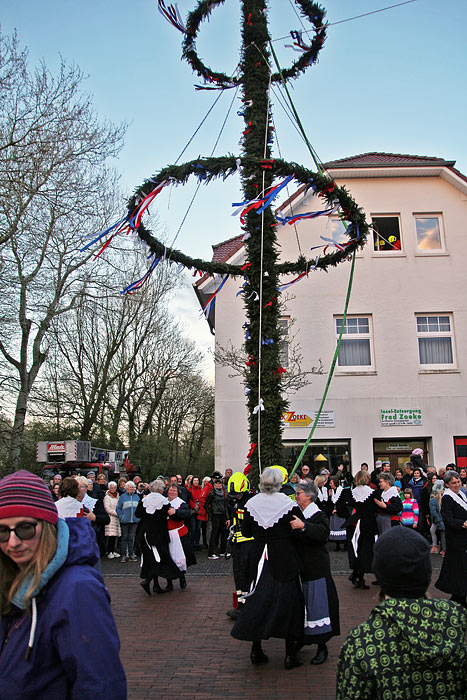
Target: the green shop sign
(401, 416)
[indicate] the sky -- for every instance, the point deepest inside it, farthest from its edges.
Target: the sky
(393, 81)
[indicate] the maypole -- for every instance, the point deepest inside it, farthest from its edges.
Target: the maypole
(263, 178)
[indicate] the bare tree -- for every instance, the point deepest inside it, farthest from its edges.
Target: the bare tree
(54, 186)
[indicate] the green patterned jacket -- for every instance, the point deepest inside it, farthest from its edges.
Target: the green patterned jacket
(407, 650)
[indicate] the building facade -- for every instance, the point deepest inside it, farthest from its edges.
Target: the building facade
(401, 377)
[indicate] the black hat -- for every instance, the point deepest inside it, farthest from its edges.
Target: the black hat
(401, 563)
(217, 475)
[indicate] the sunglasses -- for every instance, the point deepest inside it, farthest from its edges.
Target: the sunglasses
(24, 531)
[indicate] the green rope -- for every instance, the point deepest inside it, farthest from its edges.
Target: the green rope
(331, 371)
(314, 155)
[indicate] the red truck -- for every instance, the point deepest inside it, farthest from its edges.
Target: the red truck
(68, 457)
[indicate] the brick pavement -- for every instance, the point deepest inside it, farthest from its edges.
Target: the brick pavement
(179, 644)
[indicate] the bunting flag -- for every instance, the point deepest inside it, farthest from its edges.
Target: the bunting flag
(119, 225)
(259, 407)
(298, 43)
(139, 283)
(263, 202)
(208, 306)
(143, 205)
(172, 15)
(307, 215)
(281, 287)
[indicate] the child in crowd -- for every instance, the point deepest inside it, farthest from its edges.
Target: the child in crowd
(437, 528)
(409, 515)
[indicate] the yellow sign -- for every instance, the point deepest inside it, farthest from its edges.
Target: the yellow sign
(296, 420)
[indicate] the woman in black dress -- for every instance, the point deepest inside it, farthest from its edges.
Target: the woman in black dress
(319, 590)
(361, 529)
(453, 575)
(274, 607)
(153, 509)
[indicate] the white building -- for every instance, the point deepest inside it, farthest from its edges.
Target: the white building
(401, 377)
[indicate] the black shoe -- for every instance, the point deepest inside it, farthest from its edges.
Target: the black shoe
(292, 661)
(146, 586)
(352, 577)
(337, 548)
(182, 582)
(321, 654)
(258, 657)
(169, 587)
(234, 614)
(375, 583)
(360, 583)
(157, 589)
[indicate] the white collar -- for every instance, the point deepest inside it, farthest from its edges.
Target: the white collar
(310, 510)
(336, 494)
(176, 502)
(267, 509)
(460, 500)
(154, 501)
(361, 493)
(323, 493)
(69, 507)
(392, 492)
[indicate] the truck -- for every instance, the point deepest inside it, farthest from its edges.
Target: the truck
(67, 457)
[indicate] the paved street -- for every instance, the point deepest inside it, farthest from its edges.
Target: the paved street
(179, 644)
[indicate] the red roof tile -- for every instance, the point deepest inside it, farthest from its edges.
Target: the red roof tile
(386, 160)
(223, 251)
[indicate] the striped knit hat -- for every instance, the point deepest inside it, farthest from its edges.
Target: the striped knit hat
(25, 494)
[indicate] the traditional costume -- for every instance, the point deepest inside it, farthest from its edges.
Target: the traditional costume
(453, 575)
(319, 590)
(274, 606)
(337, 520)
(389, 516)
(156, 558)
(361, 532)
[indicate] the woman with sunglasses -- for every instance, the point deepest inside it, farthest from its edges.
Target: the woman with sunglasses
(55, 612)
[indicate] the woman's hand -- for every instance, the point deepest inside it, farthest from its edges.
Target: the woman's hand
(171, 511)
(90, 516)
(381, 504)
(297, 524)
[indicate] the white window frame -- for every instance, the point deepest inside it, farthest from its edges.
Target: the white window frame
(384, 253)
(430, 215)
(449, 366)
(356, 369)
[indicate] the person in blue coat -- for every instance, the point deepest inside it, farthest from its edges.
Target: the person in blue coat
(55, 609)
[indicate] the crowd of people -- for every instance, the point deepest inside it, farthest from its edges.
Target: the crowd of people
(388, 523)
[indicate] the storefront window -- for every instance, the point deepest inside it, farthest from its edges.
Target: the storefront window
(319, 455)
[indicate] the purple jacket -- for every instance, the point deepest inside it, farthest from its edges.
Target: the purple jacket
(75, 646)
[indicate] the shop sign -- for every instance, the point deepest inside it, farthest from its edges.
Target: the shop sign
(303, 420)
(401, 416)
(399, 447)
(55, 447)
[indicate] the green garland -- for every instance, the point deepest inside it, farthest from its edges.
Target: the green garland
(210, 168)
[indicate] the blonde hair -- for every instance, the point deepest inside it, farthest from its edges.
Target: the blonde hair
(11, 577)
(320, 480)
(362, 478)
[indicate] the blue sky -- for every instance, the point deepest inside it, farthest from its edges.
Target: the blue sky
(393, 81)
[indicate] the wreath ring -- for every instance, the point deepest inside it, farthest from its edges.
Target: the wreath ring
(209, 168)
(311, 10)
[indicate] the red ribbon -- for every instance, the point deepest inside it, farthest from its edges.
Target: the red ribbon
(252, 449)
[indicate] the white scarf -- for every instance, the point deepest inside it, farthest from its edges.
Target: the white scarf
(361, 493)
(153, 502)
(267, 509)
(310, 510)
(392, 492)
(457, 497)
(336, 494)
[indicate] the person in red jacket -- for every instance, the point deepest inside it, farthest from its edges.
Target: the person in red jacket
(196, 497)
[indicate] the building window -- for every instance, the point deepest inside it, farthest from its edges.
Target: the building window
(284, 342)
(386, 234)
(429, 232)
(355, 351)
(435, 341)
